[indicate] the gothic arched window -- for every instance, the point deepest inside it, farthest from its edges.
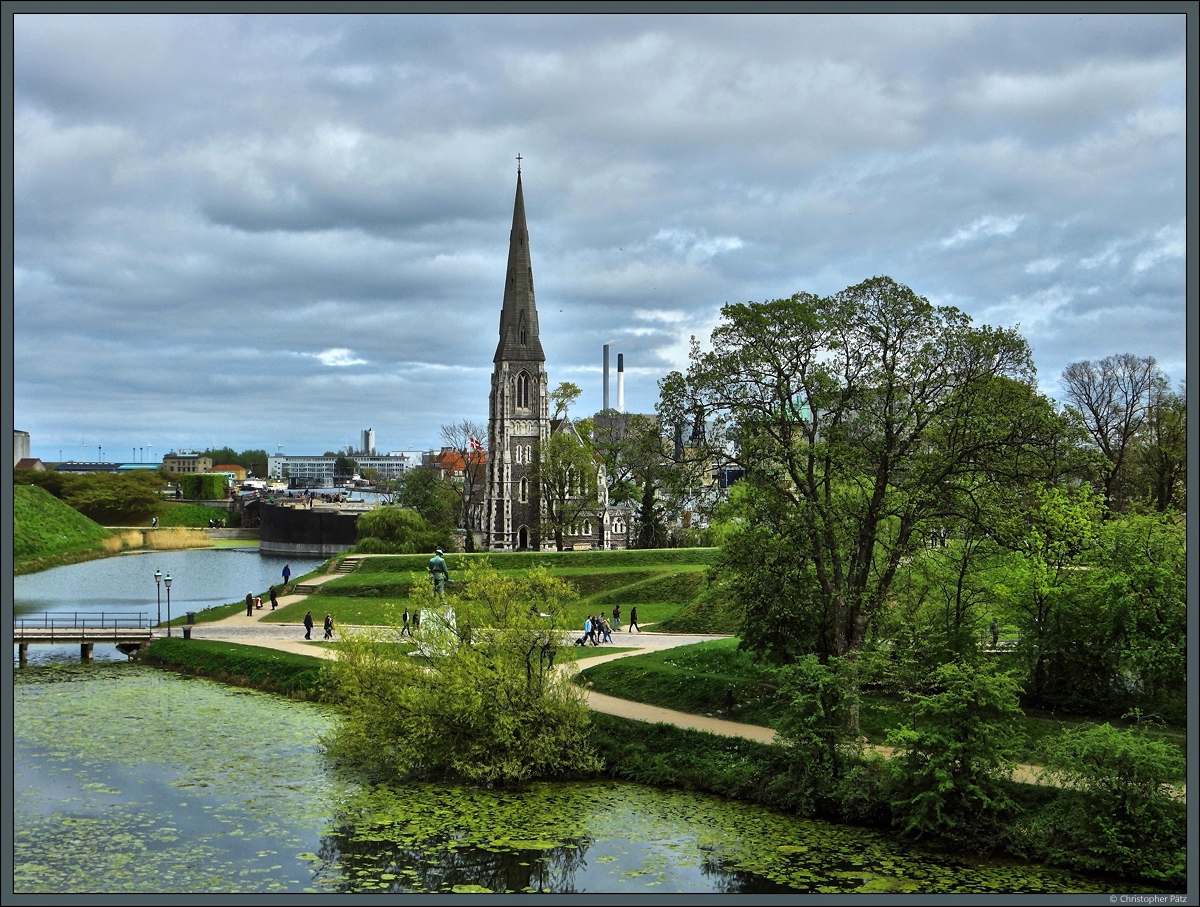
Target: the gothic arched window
(522, 331)
(524, 493)
(523, 390)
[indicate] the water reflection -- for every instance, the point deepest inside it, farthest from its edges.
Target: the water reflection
(447, 863)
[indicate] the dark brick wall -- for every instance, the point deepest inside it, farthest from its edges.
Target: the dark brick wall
(320, 530)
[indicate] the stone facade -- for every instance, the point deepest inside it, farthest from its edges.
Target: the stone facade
(519, 422)
(518, 405)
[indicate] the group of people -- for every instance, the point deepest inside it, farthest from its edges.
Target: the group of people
(597, 629)
(416, 623)
(308, 625)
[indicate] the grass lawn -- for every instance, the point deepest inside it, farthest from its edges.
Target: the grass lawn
(659, 584)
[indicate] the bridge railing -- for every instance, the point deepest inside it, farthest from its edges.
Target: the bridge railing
(83, 620)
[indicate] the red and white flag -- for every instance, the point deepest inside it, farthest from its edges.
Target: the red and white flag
(475, 445)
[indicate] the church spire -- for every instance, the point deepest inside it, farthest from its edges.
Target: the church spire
(519, 338)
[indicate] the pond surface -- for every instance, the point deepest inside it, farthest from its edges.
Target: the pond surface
(129, 779)
(200, 578)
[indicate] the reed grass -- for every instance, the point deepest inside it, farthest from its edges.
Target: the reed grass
(155, 540)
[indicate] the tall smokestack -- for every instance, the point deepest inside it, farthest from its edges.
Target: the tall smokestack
(606, 376)
(620, 382)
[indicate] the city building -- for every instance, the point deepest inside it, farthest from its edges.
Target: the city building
(320, 470)
(186, 463)
(231, 471)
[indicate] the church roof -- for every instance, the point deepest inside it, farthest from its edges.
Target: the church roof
(519, 338)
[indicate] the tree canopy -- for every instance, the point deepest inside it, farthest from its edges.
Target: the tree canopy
(866, 421)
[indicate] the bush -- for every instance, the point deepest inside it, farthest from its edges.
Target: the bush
(398, 530)
(1114, 811)
(818, 703)
(482, 701)
(950, 772)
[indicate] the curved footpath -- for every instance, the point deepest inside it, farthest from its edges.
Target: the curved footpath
(289, 637)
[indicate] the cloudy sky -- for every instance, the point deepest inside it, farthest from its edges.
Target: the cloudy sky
(275, 231)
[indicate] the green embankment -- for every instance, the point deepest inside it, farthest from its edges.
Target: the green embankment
(298, 676)
(668, 586)
(170, 513)
(49, 533)
(714, 678)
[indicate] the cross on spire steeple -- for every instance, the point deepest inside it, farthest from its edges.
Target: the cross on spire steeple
(518, 163)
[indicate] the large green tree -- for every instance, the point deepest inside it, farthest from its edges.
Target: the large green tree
(867, 418)
(1159, 461)
(420, 490)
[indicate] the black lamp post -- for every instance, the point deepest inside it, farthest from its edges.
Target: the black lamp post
(167, 583)
(158, 591)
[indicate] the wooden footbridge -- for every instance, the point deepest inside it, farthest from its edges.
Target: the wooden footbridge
(129, 631)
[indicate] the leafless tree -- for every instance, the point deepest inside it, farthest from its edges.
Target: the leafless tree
(465, 438)
(1110, 399)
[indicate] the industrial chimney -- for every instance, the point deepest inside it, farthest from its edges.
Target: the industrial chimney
(620, 382)
(605, 376)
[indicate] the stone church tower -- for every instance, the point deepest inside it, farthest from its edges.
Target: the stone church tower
(518, 405)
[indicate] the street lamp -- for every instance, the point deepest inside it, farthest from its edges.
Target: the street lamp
(158, 590)
(167, 583)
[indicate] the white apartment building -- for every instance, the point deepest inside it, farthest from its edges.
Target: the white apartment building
(321, 469)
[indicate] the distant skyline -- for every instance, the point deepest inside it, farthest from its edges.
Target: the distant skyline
(275, 231)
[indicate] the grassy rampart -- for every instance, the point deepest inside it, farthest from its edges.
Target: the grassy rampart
(297, 676)
(48, 533)
(660, 583)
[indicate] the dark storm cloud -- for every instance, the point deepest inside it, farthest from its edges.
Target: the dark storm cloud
(279, 230)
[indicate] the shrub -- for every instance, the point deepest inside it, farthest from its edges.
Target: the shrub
(398, 530)
(482, 701)
(1115, 811)
(948, 777)
(202, 486)
(817, 704)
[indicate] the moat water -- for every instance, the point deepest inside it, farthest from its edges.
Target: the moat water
(130, 779)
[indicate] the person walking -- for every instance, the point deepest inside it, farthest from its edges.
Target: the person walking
(405, 630)
(995, 628)
(249, 604)
(287, 574)
(633, 619)
(605, 630)
(328, 627)
(616, 624)
(416, 620)
(587, 630)
(308, 625)
(274, 600)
